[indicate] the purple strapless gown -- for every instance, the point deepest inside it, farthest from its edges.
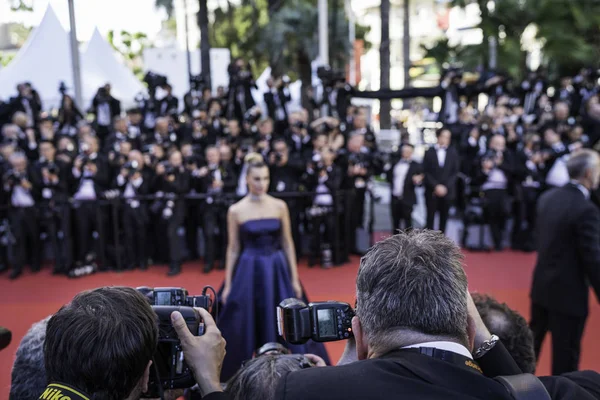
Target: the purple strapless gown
(260, 281)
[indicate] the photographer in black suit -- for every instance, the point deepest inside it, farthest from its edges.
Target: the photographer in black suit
(132, 181)
(568, 237)
(105, 107)
(495, 176)
(418, 333)
(441, 165)
(216, 179)
(173, 181)
(403, 174)
(18, 186)
(51, 191)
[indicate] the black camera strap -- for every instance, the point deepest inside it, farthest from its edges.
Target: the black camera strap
(62, 391)
(519, 387)
(448, 356)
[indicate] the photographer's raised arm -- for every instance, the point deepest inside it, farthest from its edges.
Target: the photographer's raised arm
(203, 354)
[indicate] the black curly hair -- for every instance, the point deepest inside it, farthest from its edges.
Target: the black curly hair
(510, 327)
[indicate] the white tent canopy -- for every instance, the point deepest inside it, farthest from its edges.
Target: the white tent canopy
(100, 66)
(45, 61)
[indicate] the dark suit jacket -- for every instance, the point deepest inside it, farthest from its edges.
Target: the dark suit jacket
(406, 375)
(409, 197)
(168, 104)
(568, 245)
(272, 105)
(436, 175)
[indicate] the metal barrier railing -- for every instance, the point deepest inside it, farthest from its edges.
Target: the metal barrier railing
(342, 202)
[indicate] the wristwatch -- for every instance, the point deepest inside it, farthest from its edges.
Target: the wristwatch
(485, 347)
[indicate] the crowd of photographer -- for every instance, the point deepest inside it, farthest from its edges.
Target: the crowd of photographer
(171, 173)
(493, 165)
(415, 330)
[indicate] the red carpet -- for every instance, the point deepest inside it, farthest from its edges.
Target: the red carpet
(507, 276)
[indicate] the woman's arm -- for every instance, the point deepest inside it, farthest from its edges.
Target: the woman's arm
(287, 241)
(233, 245)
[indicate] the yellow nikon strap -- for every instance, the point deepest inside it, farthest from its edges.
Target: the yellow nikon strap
(60, 391)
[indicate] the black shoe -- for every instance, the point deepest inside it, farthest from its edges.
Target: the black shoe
(174, 269)
(143, 267)
(15, 274)
(36, 268)
(221, 265)
(208, 267)
(3, 268)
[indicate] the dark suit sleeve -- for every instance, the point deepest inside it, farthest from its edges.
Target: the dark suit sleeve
(588, 245)
(498, 362)
(588, 380)
(428, 168)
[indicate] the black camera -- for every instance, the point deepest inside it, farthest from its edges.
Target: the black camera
(169, 369)
(329, 76)
(190, 160)
(131, 167)
(322, 322)
(197, 82)
(14, 176)
(52, 168)
(300, 125)
(154, 80)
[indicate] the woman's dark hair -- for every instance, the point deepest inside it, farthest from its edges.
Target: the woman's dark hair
(101, 342)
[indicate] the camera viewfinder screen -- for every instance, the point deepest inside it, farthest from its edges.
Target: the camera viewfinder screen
(163, 298)
(326, 323)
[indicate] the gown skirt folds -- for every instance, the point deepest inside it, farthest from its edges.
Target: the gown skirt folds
(260, 281)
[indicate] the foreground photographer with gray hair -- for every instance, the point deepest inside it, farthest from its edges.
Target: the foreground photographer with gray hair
(418, 333)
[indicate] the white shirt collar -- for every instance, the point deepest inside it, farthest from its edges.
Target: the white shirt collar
(448, 346)
(583, 189)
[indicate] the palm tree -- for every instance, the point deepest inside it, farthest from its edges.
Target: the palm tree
(384, 55)
(204, 42)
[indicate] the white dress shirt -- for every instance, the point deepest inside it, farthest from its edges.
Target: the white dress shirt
(441, 155)
(21, 197)
(448, 346)
(400, 173)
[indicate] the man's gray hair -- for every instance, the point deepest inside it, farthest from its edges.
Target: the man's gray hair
(580, 162)
(413, 282)
(28, 379)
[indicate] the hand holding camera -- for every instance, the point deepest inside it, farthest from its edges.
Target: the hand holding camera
(203, 354)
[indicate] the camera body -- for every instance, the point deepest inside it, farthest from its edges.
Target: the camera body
(52, 168)
(131, 167)
(329, 76)
(321, 322)
(169, 365)
(197, 82)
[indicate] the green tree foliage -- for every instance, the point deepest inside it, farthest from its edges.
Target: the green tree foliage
(568, 29)
(21, 5)
(131, 46)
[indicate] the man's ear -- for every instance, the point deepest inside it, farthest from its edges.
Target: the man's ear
(471, 332)
(362, 343)
(146, 377)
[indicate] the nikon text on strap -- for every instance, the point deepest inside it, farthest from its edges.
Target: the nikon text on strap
(60, 391)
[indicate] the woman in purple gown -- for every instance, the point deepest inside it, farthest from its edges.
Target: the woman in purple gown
(260, 272)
